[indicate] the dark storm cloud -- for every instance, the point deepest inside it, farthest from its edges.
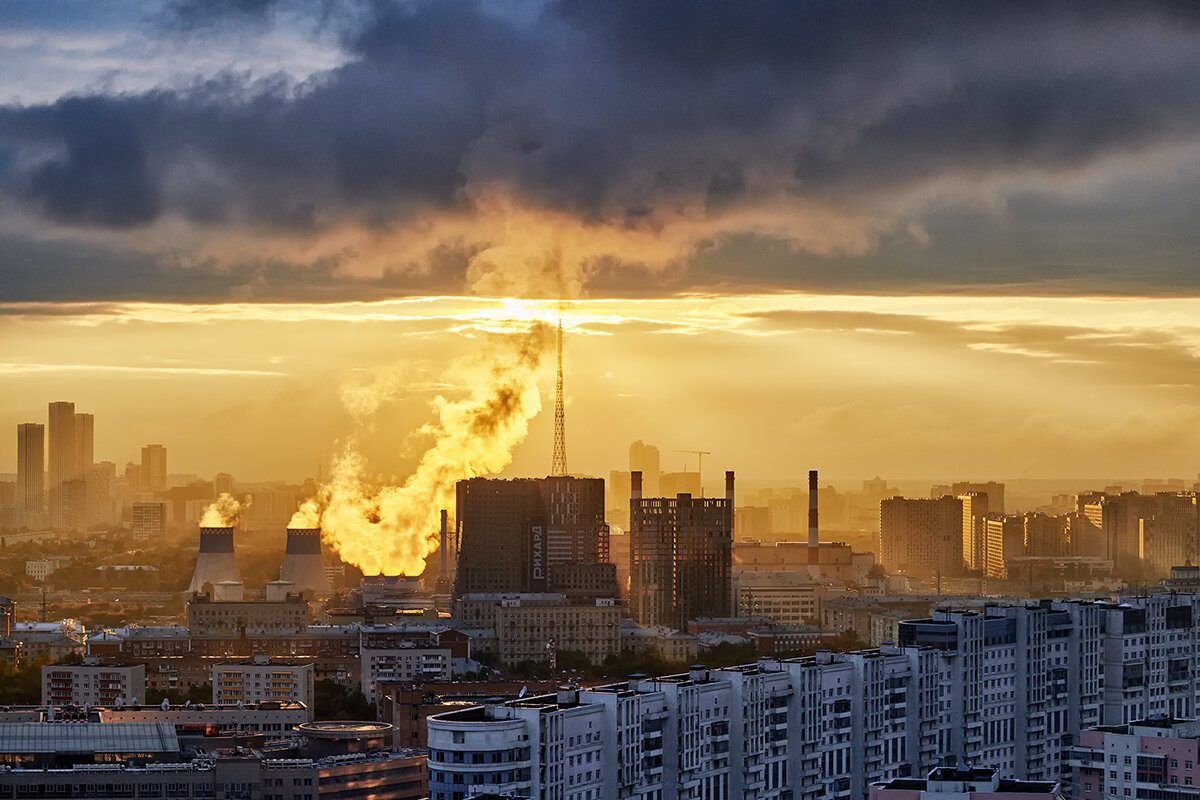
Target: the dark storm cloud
(615, 111)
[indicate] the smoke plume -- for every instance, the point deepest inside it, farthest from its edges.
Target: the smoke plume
(392, 529)
(225, 512)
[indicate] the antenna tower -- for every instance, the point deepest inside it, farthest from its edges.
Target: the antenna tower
(559, 467)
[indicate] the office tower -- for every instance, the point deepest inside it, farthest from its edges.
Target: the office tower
(644, 458)
(61, 459)
(511, 531)
(974, 509)
(921, 537)
(154, 468)
(31, 474)
(680, 556)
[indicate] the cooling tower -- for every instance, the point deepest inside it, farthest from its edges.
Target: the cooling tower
(302, 563)
(216, 562)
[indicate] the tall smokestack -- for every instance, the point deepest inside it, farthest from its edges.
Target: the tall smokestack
(729, 487)
(443, 577)
(814, 537)
(303, 566)
(216, 562)
(635, 485)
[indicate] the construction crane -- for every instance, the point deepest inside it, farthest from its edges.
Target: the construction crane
(700, 454)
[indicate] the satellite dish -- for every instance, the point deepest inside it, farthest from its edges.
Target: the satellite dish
(239, 704)
(165, 705)
(524, 689)
(188, 704)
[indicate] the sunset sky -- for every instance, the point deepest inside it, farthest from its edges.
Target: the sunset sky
(914, 239)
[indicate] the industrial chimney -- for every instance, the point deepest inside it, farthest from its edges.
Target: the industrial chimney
(443, 574)
(814, 536)
(215, 563)
(303, 566)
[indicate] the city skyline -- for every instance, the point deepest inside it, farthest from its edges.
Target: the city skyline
(962, 249)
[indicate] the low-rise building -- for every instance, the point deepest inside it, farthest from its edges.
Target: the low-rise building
(668, 643)
(273, 719)
(262, 679)
(1119, 760)
(52, 641)
(145, 760)
(237, 618)
(393, 655)
(526, 629)
(951, 783)
(93, 683)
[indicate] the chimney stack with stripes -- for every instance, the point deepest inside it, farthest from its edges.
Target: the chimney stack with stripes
(215, 562)
(302, 563)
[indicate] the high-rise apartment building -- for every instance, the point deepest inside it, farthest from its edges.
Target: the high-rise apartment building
(1150, 646)
(993, 490)
(1047, 534)
(680, 556)
(1006, 688)
(1022, 680)
(31, 474)
(85, 444)
(974, 510)
(149, 520)
(1003, 538)
(511, 531)
(153, 474)
(101, 486)
(60, 461)
(921, 537)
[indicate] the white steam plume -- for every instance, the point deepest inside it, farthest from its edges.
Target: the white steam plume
(392, 529)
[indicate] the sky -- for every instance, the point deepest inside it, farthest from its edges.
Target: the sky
(953, 240)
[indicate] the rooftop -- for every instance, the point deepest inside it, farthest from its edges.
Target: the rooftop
(87, 737)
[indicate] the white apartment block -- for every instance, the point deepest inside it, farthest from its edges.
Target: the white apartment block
(402, 664)
(93, 684)
(1151, 658)
(260, 681)
(1001, 687)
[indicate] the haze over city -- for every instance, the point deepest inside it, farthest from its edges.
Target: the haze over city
(885, 243)
(597, 399)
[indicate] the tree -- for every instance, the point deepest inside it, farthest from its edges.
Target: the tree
(331, 700)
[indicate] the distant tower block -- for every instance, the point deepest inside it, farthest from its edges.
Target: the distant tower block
(302, 563)
(216, 562)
